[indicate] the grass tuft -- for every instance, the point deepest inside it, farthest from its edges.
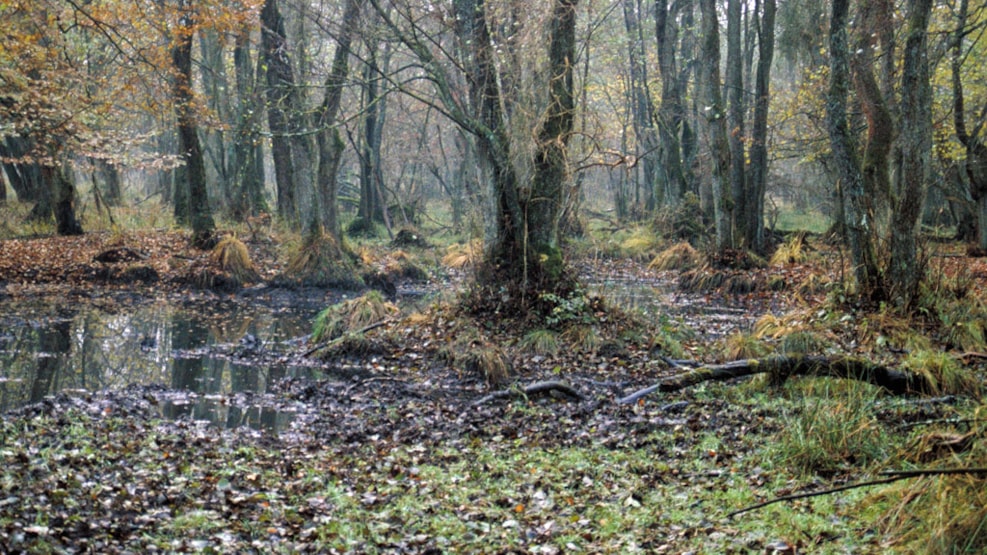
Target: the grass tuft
(232, 257)
(463, 255)
(351, 315)
(541, 342)
(944, 372)
(832, 432)
(681, 256)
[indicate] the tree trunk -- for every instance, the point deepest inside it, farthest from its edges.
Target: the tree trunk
(905, 272)
(736, 112)
(857, 224)
(670, 114)
(781, 368)
(976, 152)
(248, 153)
(63, 196)
(873, 103)
(371, 202)
(280, 100)
(642, 107)
(190, 150)
(717, 125)
(330, 143)
(548, 190)
(759, 133)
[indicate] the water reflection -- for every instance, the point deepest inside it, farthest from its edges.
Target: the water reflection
(86, 349)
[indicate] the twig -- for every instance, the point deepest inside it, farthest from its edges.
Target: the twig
(934, 472)
(795, 496)
(894, 476)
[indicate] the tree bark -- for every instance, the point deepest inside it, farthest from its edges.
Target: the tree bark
(248, 154)
(63, 197)
(671, 113)
(736, 112)
(759, 133)
(642, 107)
(905, 272)
(857, 224)
(716, 122)
(873, 102)
(281, 101)
(330, 143)
(975, 164)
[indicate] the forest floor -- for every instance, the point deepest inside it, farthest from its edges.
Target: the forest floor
(411, 458)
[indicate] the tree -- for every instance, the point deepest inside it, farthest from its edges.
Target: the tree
(672, 125)
(715, 114)
(975, 164)
(736, 113)
(856, 222)
(905, 272)
(522, 254)
(330, 142)
(759, 133)
(192, 200)
(290, 148)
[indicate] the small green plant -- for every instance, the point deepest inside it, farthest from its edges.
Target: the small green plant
(560, 311)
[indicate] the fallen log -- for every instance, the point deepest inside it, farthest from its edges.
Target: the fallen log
(553, 388)
(781, 368)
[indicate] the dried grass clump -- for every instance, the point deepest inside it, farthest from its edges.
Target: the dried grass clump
(792, 252)
(464, 255)
(584, 338)
(351, 315)
(741, 346)
(680, 256)
(641, 243)
(487, 361)
(321, 261)
(939, 514)
(232, 257)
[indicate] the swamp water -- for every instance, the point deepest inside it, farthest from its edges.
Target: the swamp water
(217, 358)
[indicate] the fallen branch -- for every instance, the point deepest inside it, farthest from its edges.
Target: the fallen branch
(782, 367)
(553, 388)
(331, 342)
(894, 476)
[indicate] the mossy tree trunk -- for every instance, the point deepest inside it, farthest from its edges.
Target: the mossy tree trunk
(723, 202)
(905, 271)
(856, 223)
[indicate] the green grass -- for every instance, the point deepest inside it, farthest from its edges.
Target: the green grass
(790, 219)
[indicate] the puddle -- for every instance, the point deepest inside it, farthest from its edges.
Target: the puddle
(218, 359)
(660, 298)
(207, 351)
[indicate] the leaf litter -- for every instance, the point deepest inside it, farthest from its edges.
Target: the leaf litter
(395, 456)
